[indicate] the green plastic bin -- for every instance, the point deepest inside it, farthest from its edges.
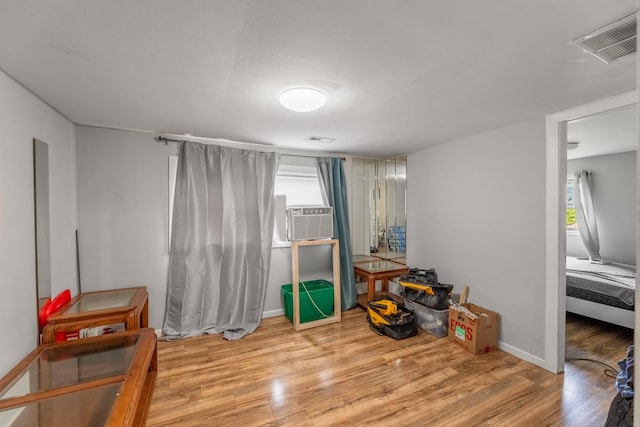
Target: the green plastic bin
(322, 293)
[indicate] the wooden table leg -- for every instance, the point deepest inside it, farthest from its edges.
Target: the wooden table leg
(371, 288)
(132, 322)
(144, 316)
(48, 334)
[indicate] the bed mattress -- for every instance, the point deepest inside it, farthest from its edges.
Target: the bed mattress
(611, 284)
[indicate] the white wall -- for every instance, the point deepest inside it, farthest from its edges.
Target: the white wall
(476, 213)
(614, 190)
(22, 118)
(123, 202)
(123, 220)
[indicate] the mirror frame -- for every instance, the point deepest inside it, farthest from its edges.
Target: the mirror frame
(41, 219)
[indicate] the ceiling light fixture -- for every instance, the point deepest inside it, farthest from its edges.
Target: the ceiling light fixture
(302, 99)
(320, 139)
(572, 145)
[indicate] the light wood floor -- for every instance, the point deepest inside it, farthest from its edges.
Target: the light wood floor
(345, 375)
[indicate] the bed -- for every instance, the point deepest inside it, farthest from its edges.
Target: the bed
(602, 291)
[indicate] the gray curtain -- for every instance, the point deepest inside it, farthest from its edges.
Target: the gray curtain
(220, 241)
(586, 214)
(331, 172)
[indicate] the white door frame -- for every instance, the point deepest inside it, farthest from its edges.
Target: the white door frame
(556, 124)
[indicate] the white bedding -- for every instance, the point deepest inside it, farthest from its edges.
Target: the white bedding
(601, 283)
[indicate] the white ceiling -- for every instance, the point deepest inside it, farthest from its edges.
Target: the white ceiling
(400, 75)
(609, 132)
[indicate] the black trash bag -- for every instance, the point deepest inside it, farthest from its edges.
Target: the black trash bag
(621, 409)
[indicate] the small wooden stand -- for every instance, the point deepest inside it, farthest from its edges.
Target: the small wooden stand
(337, 308)
(100, 308)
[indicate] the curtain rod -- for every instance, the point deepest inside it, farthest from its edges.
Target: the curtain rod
(168, 140)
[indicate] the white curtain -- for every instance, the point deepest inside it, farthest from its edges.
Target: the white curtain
(586, 214)
(220, 241)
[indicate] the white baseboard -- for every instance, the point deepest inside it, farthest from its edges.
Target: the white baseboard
(520, 354)
(273, 313)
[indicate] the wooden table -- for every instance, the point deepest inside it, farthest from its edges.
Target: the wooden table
(364, 258)
(97, 381)
(397, 257)
(377, 270)
(89, 313)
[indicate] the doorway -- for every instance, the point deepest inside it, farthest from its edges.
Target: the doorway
(556, 160)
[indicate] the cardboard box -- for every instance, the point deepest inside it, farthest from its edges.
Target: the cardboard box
(475, 330)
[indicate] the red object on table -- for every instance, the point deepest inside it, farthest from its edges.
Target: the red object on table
(53, 305)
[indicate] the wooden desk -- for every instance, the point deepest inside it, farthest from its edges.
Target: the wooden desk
(98, 309)
(377, 270)
(97, 381)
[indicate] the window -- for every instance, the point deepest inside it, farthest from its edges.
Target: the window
(297, 184)
(297, 179)
(572, 225)
(173, 170)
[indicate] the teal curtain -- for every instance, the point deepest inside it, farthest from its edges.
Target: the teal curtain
(332, 173)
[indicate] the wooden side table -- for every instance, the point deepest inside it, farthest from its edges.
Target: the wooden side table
(363, 258)
(377, 270)
(100, 309)
(98, 381)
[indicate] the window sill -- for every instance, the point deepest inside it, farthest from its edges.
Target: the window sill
(275, 244)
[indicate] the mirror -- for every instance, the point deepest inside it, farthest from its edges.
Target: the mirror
(41, 204)
(379, 201)
(391, 210)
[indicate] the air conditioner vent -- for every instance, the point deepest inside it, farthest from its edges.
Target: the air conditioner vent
(309, 223)
(612, 41)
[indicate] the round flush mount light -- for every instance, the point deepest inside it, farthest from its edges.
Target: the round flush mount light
(302, 99)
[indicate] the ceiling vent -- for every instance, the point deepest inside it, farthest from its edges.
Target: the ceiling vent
(611, 42)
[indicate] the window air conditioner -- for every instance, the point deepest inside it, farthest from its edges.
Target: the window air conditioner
(309, 223)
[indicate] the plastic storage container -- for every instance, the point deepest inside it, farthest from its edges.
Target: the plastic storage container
(321, 291)
(435, 322)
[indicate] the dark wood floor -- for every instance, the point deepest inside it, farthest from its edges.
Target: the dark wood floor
(345, 375)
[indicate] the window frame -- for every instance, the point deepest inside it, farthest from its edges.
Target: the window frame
(570, 204)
